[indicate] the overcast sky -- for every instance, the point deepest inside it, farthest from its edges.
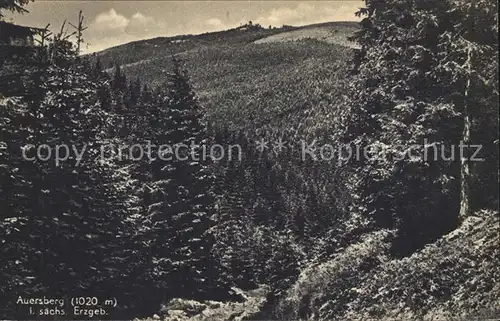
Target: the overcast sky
(111, 23)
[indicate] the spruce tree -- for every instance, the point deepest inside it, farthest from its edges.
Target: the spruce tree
(420, 67)
(119, 79)
(63, 224)
(16, 6)
(182, 200)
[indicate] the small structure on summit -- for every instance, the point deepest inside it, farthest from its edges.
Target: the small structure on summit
(249, 26)
(16, 42)
(16, 35)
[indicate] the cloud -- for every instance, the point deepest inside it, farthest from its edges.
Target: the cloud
(140, 24)
(110, 20)
(113, 22)
(111, 28)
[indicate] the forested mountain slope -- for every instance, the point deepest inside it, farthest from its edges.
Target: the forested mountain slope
(243, 84)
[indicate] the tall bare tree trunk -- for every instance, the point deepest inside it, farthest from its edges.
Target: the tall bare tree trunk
(79, 32)
(465, 168)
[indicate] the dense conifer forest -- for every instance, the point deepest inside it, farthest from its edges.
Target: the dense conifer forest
(267, 235)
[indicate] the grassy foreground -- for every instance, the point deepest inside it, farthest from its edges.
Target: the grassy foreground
(361, 283)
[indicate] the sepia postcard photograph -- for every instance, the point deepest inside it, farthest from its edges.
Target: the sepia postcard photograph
(249, 160)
